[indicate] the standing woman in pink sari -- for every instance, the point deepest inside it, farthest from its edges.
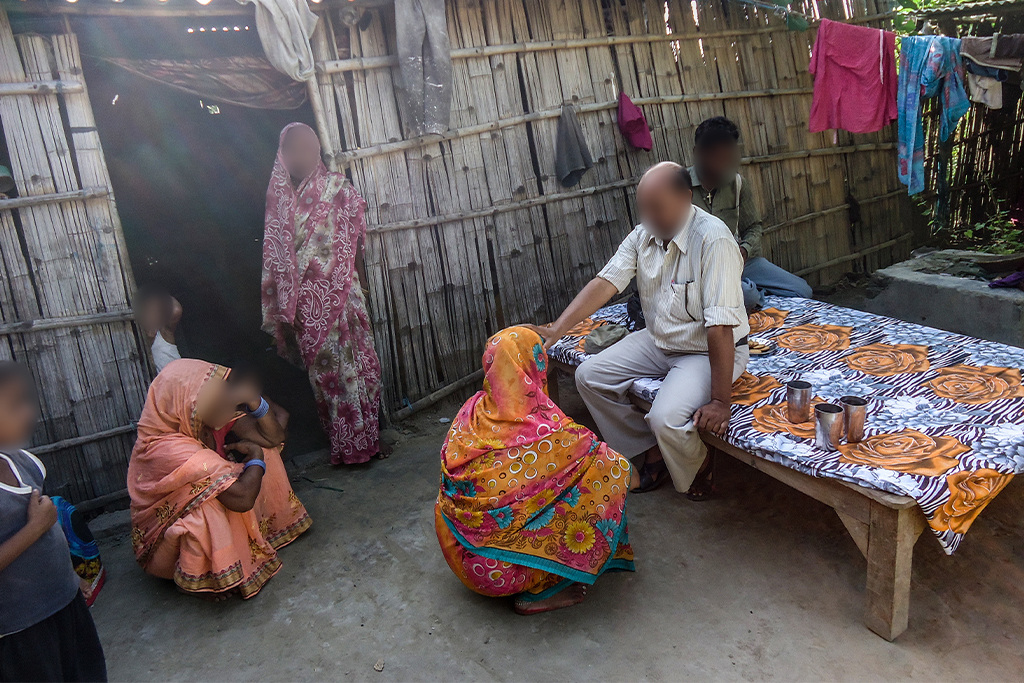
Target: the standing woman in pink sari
(313, 303)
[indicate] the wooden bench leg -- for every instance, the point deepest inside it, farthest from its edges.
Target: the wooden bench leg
(890, 551)
(553, 383)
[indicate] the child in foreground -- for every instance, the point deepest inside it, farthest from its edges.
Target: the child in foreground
(46, 632)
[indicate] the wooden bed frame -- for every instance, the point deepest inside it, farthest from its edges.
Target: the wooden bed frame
(884, 526)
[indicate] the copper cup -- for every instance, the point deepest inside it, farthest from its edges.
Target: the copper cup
(828, 426)
(855, 410)
(798, 401)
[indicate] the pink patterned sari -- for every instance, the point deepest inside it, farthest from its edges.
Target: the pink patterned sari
(313, 303)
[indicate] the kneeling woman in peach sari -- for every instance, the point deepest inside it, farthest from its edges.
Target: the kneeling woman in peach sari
(211, 525)
(532, 504)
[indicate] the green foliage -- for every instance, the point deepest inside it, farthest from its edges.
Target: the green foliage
(997, 234)
(904, 22)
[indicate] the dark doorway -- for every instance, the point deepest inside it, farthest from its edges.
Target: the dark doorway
(190, 179)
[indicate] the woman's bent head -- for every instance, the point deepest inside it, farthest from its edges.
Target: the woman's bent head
(188, 395)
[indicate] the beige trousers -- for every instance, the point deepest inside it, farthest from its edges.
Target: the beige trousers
(604, 381)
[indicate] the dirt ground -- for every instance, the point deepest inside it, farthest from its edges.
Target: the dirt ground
(761, 583)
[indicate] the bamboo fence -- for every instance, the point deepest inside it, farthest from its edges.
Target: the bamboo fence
(66, 280)
(470, 232)
(986, 154)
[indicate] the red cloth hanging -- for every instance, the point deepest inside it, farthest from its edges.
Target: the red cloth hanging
(633, 124)
(854, 69)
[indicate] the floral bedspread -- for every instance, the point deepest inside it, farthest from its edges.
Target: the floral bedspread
(945, 421)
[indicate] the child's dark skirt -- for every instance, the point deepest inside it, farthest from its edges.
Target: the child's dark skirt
(63, 647)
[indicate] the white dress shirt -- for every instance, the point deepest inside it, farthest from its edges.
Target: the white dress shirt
(689, 284)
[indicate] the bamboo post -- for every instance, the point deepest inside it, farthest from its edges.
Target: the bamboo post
(322, 125)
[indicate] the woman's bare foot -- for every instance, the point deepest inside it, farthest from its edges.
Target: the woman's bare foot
(573, 595)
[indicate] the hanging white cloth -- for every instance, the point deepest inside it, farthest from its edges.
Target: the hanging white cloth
(986, 90)
(285, 27)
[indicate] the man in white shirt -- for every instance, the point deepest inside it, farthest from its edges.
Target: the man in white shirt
(687, 265)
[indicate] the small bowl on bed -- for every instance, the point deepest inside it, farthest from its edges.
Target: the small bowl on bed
(759, 346)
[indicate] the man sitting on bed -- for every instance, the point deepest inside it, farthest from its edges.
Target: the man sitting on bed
(719, 189)
(687, 267)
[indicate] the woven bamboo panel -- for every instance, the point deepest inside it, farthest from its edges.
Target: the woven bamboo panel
(471, 232)
(66, 272)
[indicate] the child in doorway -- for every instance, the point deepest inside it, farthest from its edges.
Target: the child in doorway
(46, 632)
(158, 314)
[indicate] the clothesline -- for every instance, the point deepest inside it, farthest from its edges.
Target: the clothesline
(779, 10)
(795, 21)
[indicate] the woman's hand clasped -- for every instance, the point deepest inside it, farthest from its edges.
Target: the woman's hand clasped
(244, 451)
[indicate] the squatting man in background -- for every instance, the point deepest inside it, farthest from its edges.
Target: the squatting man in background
(687, 265)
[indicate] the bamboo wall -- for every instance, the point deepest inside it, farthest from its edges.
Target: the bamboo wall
(66, 278)
(986, 153)
(470, 232)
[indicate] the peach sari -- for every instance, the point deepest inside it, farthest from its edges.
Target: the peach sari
(180, 531)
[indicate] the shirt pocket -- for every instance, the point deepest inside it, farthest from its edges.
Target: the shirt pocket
(682, 301)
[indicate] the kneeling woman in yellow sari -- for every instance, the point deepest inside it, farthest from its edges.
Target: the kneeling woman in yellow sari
(532, 504)
(211, 525)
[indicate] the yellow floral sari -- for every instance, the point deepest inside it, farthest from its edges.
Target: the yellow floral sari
(530, 501)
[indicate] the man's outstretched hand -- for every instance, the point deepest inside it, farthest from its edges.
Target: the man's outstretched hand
(713, 417)
(548, 334)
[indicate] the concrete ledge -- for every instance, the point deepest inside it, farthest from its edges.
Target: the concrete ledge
(111, 525)
(950, 303)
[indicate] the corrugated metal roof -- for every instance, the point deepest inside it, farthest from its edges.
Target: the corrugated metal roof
(972, 9)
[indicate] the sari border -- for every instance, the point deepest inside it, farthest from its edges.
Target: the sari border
(613, 565)
(292, 532)
(228, 579)
(575, 575)
(218, 371)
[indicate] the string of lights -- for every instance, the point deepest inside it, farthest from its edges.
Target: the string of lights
(214, 29)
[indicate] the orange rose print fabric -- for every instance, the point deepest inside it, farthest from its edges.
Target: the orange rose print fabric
(748, 389)
(886, 360)
(815, 338)
(774, 418)
(907, 451)
(766, 319)
(969, 493)
(977, 384)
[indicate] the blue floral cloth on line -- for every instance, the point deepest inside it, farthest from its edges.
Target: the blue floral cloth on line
(929, 66)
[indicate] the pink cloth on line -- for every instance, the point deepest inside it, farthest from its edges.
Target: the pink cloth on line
(633, 124)
(854, 69)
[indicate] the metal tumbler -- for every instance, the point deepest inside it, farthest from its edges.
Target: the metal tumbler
(828, 426)
(798, 401)
(855, 409)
